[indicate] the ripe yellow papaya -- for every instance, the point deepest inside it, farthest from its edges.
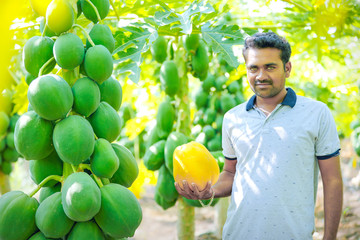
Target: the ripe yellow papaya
(195, 164)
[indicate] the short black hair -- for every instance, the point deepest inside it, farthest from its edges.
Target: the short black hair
(269, 40)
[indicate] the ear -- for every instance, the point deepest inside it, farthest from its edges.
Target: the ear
(288, 69)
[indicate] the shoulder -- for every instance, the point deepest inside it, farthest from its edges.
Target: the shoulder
(236, 111)
(308, 103)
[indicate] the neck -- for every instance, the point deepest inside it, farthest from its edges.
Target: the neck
(269, 104)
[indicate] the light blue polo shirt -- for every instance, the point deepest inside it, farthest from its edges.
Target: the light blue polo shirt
(275, 184)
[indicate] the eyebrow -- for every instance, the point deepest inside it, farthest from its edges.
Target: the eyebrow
(266, 65)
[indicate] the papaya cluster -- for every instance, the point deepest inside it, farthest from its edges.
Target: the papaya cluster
(8, 153)
(69, 136)
(213, 99)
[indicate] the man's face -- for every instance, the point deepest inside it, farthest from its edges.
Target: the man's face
(265, 71)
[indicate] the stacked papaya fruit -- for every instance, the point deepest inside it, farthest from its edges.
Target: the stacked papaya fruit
(163, 138)
(69, 136)
(8, 153)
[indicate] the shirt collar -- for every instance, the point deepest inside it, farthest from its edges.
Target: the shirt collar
(290, 99)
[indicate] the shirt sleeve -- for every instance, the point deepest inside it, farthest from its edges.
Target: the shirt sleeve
(328, 143)
(228, 148)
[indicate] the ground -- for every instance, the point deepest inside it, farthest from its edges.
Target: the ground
(161, 225)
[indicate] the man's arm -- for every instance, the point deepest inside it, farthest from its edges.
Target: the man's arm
(222, 188)
(333, 195)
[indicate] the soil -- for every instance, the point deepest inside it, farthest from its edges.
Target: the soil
(161, 225)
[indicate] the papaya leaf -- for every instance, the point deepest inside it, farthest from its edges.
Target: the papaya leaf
(131, 42)
(221, 38)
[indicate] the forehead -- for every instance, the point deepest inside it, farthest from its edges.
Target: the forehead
(262, 56)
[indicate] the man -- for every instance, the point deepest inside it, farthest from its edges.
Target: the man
(274, 145)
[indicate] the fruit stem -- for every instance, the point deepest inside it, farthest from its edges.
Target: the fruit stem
(96, 11)
(45, 65)
(45, 28)
(43, 182)
(67, 170)
(98, 181)
(116, 13)
(85, 33)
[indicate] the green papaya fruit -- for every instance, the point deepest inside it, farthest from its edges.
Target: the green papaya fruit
(169, 78)
(4, 122)
(74, 139)
(165, 118)
(17, 218)
(209, 116)
(29, 78)
(106, 122)
(6, 167)
(160, 200)
(154, 156)
(85, 231)
(86, 96)
(98, 63)
(201, 99)
(111, 92)
(37, 51)
(174, 140)
(51, 219)
(33, 136)
(60, 16)
(79, 10)
(69, 51)
(101, 34)
(192, 42)
(209, 132)
(159, 49)
(48, 191)
(220, 83)
(196, 203)
(165, 185)
(2, 144)
(50, 96)
(42, 168)
(104, 161)
(10, 155)
(234, 87)
(13, 120)
(200, 62)
(128, 169)
(239, 98)
(153, 136)
(215, 143)
(39, 236)
(80, 197)
(102, 6)
(219, 121)
(227, 102)
(208, 83)
(10, 140)
(120, 213)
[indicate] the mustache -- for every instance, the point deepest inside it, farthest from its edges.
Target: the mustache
(263, 81)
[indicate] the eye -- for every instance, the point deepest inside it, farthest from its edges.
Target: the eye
(271, 67)
(253, 69)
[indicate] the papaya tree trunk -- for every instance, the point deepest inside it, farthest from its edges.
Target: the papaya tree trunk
(4, 183)
(186, 213)
(186, 221)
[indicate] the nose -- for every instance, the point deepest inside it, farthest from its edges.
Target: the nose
(261, 76)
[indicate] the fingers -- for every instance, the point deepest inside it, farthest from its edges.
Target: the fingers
(191, 191)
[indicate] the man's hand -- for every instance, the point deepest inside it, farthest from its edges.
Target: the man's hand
(192, 191)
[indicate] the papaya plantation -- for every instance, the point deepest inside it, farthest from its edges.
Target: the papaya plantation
(105, 104)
